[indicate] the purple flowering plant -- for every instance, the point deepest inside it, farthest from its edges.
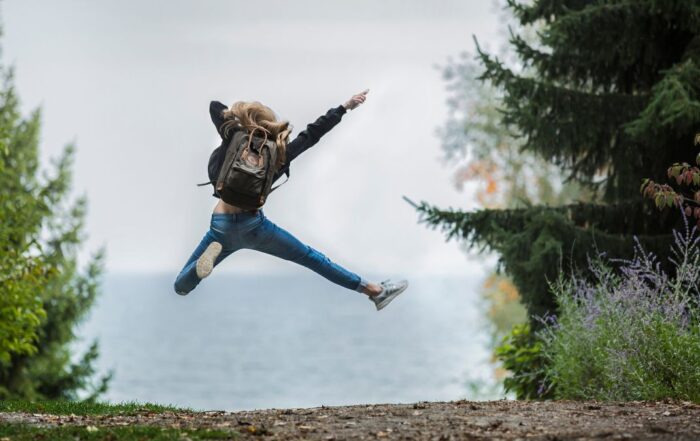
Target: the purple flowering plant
(628, 331)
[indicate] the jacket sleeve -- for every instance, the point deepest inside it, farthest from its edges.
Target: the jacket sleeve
(310, 136)
(216, 109)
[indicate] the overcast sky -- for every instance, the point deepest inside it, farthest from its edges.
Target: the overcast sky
(130, 82)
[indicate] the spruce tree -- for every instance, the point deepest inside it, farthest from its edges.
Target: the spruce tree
(43, 291)
(609, 93)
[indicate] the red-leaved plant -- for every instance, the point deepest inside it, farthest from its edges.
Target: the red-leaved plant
(687, 197)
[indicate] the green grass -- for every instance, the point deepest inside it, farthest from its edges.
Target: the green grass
(20, 432)
(84, 408)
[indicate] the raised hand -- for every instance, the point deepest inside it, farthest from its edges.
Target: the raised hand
(356, 100)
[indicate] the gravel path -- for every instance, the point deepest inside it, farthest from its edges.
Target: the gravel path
(456, 420)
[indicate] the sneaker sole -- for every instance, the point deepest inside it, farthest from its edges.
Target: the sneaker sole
(391, 297)
(205, 263)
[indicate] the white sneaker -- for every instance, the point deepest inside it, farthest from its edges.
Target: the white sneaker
(205, 263)
(389, 291)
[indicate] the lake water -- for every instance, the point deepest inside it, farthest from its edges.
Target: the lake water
(247, 342)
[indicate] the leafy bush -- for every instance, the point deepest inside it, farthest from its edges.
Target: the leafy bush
(521, 353)
(631, 333)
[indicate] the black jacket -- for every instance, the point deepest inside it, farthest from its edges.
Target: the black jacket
(305, 139)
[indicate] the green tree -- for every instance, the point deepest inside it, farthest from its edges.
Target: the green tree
(608, 94)
(43, 292)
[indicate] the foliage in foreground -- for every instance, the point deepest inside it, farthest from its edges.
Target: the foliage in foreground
(631, 333)
(521, 353)
(44, 293)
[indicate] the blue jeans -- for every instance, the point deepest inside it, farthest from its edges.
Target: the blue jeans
(257, 232)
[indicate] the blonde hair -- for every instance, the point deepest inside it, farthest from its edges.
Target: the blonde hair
(254, 115)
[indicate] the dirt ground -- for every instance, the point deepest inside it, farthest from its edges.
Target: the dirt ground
(456, 420)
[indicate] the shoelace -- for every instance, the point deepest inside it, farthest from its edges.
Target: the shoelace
(386, 285)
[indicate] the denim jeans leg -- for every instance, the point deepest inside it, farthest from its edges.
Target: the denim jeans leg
(187, 280)
(279, 242)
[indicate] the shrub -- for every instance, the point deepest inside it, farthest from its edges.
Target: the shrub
(628, 333)
(521, 353)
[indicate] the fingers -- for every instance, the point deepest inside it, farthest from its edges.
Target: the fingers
(361, 97)
(358, 99)
(361, 94)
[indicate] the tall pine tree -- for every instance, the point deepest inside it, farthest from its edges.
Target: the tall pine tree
(43, 292)
(610, 94)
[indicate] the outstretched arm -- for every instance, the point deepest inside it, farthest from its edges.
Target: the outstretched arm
(315, 130)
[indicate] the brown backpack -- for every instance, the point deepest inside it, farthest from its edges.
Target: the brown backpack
(245, 178)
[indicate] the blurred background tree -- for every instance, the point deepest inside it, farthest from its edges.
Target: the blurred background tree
(504, 175)
(43, 292)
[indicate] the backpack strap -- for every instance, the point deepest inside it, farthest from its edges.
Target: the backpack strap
(286, 172)
(231, 153)
(250, 138)
(279, 185)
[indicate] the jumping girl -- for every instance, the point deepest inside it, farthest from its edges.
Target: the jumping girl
(233, 228)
